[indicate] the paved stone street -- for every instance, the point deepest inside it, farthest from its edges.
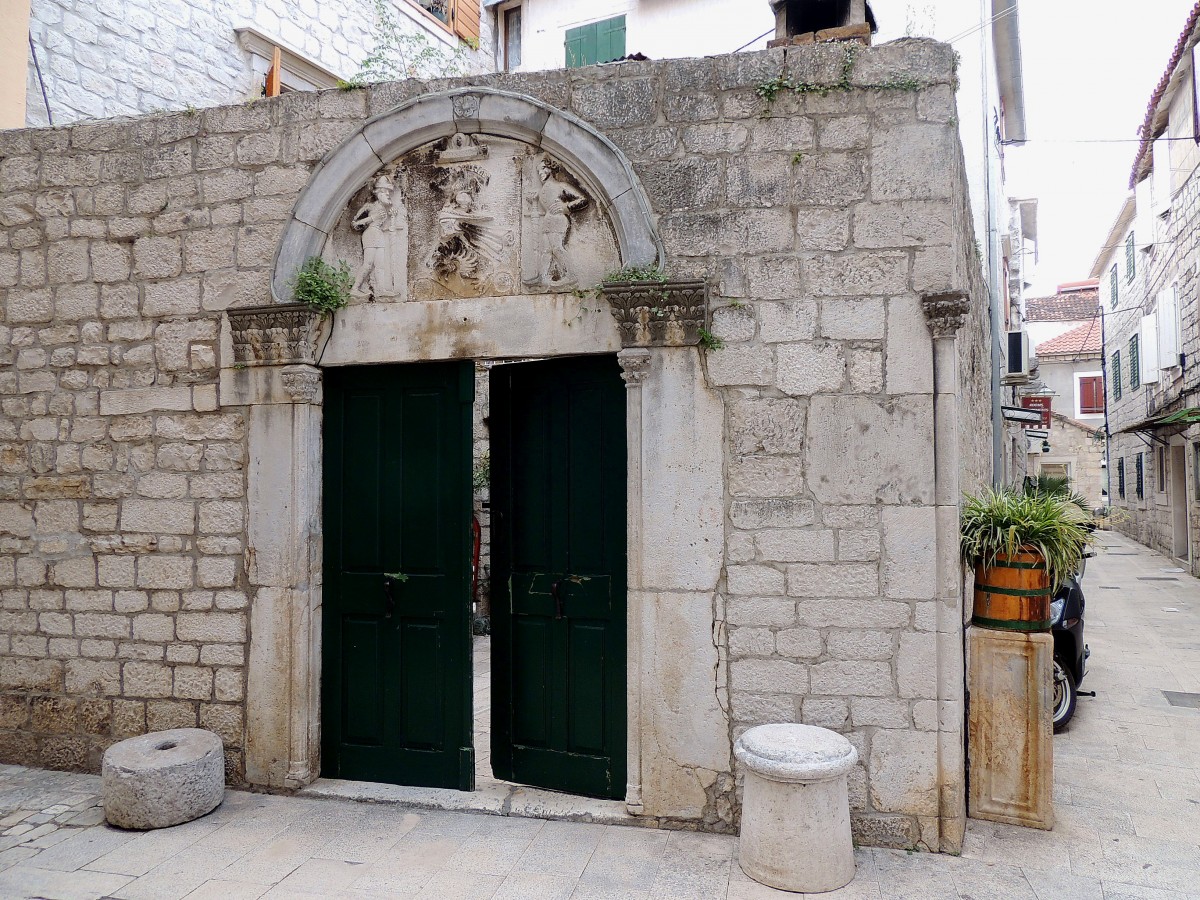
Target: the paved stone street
(1127, 778)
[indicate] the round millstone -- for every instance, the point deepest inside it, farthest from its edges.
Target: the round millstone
(163, 778)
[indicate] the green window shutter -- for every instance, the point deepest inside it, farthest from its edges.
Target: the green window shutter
(610, 41)
(1140, 469)
(596, 42)
(1116, 375)
(1135, 371)
(1121, 477)
(1130, 258)
(1114, 288)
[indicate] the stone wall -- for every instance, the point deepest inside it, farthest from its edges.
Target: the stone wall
(1166, 262)
(103, 58)
(820, 221)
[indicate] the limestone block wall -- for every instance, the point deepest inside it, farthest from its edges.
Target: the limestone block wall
(1167, 262)
(103, 58)
(820, 220)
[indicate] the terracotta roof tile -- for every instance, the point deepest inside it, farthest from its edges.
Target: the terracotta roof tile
(1083, 338)
(1070, 307)
(1146, 132)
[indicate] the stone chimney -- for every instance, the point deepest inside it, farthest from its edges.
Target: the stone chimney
(814, 21)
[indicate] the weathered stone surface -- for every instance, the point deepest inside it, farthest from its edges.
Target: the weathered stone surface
(1011, 733)
(146, 516)
(861, 451)
(163, 778)
(796, 814)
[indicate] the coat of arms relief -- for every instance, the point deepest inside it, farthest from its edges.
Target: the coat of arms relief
(473, 216)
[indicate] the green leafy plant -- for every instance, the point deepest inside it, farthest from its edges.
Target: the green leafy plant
(481, 473)
(321, 286)
(637, 273)
(396, 576)
(1056, 486)
(710, 341)
(770, 89)
(1007, 522)
(405, 52)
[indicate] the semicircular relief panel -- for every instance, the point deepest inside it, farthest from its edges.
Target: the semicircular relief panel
(472, 215)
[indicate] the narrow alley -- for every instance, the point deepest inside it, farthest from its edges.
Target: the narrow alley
(1127, 776)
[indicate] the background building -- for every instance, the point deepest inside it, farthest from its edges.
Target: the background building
(1070, 372)
(1147, 269)
(89, 59)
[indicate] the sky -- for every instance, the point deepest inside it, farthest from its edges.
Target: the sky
(1090, 67)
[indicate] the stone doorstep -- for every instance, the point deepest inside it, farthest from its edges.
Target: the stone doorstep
(492, 798)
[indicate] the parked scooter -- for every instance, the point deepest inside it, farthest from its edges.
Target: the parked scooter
(1070, 650)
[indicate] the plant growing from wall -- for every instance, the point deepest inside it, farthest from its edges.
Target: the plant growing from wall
(770, 89)
(322, 287)
(710, 341)
(402, 51)
(481, 473)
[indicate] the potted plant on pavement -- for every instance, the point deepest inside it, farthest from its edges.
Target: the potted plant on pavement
(1023, 545)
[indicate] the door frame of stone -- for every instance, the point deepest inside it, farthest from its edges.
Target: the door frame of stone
(678, 459)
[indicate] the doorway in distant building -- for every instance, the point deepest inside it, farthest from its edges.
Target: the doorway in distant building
(1181, 546)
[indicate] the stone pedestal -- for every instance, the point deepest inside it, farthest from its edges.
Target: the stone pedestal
(795, 808)
(1011, 732)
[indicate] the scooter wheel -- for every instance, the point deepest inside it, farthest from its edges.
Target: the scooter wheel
(1064, 694)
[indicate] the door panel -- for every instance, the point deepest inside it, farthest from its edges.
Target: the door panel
(559, 574)
(397, 667)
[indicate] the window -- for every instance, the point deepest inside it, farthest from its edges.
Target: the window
(1089, 395)
(460, 16)
(1114, 288)
(512, 38)
(1161, 487)
(1135, 372)
(1130, 257)
(1116, 375)
(1121, 475)
(596, 43)
(1196, 472)
(1139, 468)
(439, 9)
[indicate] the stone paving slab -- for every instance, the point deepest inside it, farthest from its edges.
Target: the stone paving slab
(1127, 787)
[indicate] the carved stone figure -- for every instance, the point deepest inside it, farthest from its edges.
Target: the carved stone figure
(461, 148)
(383, 222)
(549, 203)
(468, 244)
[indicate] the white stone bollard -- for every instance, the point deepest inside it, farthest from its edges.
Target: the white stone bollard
(795, 807)
(163, 778)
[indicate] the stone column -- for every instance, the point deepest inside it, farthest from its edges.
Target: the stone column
(945, 314)
(635, 364)
(284, 568)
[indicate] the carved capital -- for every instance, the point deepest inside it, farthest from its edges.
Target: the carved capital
(273, 335)
(945, 313)
(635, 365)
(301, 382)
(658, 314)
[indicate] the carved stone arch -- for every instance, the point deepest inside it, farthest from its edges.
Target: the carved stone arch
(603, 169)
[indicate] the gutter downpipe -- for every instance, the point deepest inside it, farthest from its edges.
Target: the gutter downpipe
(1104, 380)
(985, 38)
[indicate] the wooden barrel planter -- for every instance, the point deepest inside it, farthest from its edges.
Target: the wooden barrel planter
(1013, 594)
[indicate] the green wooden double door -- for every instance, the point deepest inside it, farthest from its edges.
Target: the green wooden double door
(396, 682)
